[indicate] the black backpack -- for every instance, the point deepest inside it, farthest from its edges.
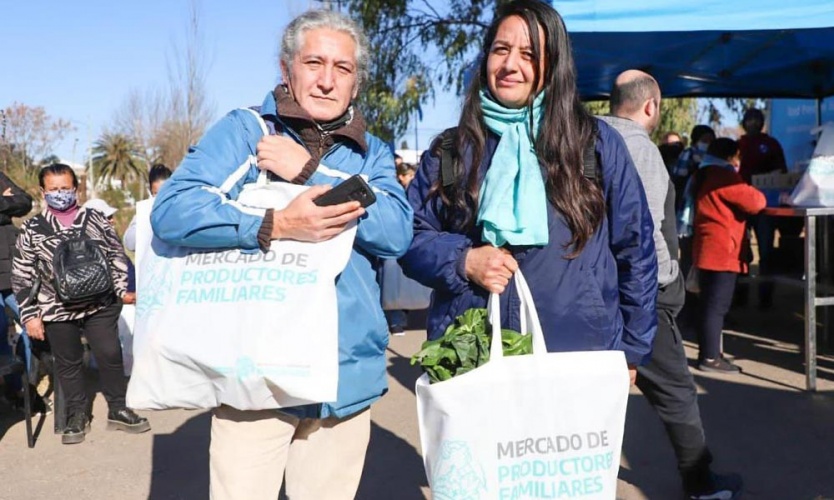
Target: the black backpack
(445, 144)
(81, 270)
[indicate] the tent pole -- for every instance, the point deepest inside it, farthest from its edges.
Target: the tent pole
(819, 111)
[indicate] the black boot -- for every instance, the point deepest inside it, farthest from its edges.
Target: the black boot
(77, 426)
(126, 420)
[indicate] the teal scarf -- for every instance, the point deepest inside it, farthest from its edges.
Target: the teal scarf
(513, 203)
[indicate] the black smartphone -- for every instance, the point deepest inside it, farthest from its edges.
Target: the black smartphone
(353, 189)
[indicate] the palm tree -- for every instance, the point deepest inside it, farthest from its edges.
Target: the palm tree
(116, 156)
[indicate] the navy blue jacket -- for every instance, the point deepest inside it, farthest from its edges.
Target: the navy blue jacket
(604, 299)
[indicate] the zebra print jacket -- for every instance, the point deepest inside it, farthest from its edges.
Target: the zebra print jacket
(36, 244)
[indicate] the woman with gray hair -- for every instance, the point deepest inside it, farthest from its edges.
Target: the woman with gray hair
(318, 139)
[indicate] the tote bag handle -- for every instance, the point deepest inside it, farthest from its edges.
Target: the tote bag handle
(530, 324)
(263, 178)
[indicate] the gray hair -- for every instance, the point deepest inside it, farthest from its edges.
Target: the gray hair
(317, 19)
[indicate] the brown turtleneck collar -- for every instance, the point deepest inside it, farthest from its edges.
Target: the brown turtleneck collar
(308, 130)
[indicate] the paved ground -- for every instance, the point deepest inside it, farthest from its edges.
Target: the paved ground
(760, 424)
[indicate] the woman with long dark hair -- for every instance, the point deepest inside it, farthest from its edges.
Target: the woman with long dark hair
(521, 192)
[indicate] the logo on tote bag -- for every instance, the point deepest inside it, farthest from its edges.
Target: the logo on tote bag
(156, 288)
(457, 475)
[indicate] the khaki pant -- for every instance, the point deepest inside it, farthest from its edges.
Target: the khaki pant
(251, 451)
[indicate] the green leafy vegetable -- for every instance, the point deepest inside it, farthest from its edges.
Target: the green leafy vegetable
(464, 346)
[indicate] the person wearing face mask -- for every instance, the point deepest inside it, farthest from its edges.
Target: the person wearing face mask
(45, 315)
(584, 244)
(687, 164)
(720, 249)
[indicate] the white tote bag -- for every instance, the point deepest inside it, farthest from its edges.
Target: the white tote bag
(545, 425)
(249, 330)
(127, 321)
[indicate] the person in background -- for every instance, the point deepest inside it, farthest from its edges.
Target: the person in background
(689, 160)
(584, 244)
(720, 249)
(156, 178)
(398, 318)
(44, 314)
(688, 163)
(666, 380)
(671, 138)
(405, 174)
(320, 448)
(14, 202)
(760, 154)
(670, 152)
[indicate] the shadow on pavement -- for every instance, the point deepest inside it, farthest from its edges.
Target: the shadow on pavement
(393, 469)
(777, 437)
(181, 461)
(773, 336)
(399, 365)
(399, 368)
(778, 440)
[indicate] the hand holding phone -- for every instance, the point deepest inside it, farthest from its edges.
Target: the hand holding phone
(304, 220)
(353, 189)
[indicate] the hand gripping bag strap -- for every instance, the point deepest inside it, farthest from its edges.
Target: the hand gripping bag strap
(530, 323)
(263, 176)
(538, 398)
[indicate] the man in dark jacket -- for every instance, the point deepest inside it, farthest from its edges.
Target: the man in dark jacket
(14, 202)
(666, 380)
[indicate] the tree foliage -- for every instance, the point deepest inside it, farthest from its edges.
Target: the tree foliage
(713, 111)
(419, 46)
(116, 157)
(435, 41)
(163, 122)
(678, 115)
(31, 132)
(28, 135)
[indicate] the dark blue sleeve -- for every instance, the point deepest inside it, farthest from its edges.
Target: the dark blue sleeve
(630, 232)
(131, 277)
(436, 256)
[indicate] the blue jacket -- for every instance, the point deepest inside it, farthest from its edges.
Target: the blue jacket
(604, 299)
(196, 208)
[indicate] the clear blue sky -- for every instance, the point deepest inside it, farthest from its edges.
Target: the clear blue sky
(79, 60)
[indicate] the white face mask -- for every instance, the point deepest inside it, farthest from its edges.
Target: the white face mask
(702, 146)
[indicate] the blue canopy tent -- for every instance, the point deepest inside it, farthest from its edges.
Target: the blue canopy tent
(710, 48)
(715, 48)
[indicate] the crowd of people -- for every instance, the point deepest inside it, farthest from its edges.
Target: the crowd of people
(607, 227)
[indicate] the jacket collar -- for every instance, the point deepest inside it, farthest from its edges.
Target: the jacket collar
(280, 104)
(53, 221)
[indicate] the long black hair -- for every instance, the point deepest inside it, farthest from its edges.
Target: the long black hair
(565, 130)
